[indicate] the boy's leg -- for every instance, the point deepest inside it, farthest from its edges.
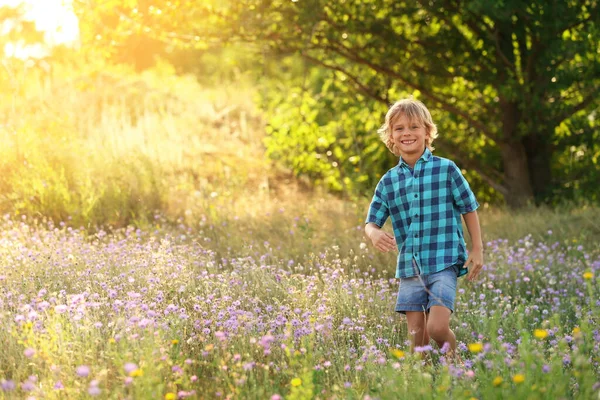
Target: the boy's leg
(441, 305)
(417, 328)
(438, 327)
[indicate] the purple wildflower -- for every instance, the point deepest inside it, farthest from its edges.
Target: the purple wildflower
(82, 371)
(129, 368)
(29, 352)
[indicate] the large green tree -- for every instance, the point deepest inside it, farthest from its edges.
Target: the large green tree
(513, 85)
(512, 78)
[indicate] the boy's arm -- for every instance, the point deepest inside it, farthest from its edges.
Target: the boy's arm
(382, 241)
(476, 254)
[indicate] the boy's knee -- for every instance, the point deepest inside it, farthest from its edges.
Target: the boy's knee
(437, 331)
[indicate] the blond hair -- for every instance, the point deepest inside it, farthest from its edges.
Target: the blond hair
(414, 111)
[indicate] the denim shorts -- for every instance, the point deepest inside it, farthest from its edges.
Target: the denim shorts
(420, 293)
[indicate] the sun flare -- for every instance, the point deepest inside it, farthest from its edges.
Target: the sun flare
(53, 17)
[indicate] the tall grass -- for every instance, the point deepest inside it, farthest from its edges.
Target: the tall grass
(102, 145)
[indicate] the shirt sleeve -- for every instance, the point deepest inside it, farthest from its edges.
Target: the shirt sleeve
(464, 198)
(378, 210)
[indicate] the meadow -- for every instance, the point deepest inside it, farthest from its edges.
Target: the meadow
(147, 250)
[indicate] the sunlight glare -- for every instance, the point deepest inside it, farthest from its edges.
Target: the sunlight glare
(54, 17)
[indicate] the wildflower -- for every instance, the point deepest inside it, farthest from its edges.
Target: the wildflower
(136, 373)
(423, 349)
(497, 381)
(29, 352)
(94, 391)
(576, 330)
(276, 397)
(27, 386)
(475, 347)
(546, 368)
(60, 309)
(170, 396)
(588, 275)
(519, 378)
(129, 368)
(59, 385)
(7, 386)
(83, 371)
(540, 333)
(296, 382)
(174, 342)
(397, 353)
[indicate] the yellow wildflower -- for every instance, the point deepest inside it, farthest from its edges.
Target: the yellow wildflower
(398, 353)
(170, 396)
(296, 382)
(136, 373)
(576, 330)
(475, 347)
(588, 275)
(175, 341)
(540, 333)
(497, 381)
(519, 378)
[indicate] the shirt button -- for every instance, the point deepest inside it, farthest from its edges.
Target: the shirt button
(416, 195)
(416, 235)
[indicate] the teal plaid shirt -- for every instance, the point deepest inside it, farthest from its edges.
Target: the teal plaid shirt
(425, 206)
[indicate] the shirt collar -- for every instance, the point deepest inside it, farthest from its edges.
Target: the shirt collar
(424, 158)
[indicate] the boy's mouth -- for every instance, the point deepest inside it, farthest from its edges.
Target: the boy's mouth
(408, 141)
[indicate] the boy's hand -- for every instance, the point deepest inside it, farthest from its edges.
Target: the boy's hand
(383, 241)
(474, 263)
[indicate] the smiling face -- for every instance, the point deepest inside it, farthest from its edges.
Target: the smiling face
(408, 136)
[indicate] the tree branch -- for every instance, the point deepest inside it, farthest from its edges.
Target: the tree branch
(457, 32)
(352, 77)
(345, 52)
(500, 53)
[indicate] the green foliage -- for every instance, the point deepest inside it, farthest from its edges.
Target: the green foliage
(504, 82)
(321, 138)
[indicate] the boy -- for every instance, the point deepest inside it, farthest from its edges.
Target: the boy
(425, 196)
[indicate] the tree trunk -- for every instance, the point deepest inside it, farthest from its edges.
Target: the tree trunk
(539, 157)
(516, 171)
(514, 158)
